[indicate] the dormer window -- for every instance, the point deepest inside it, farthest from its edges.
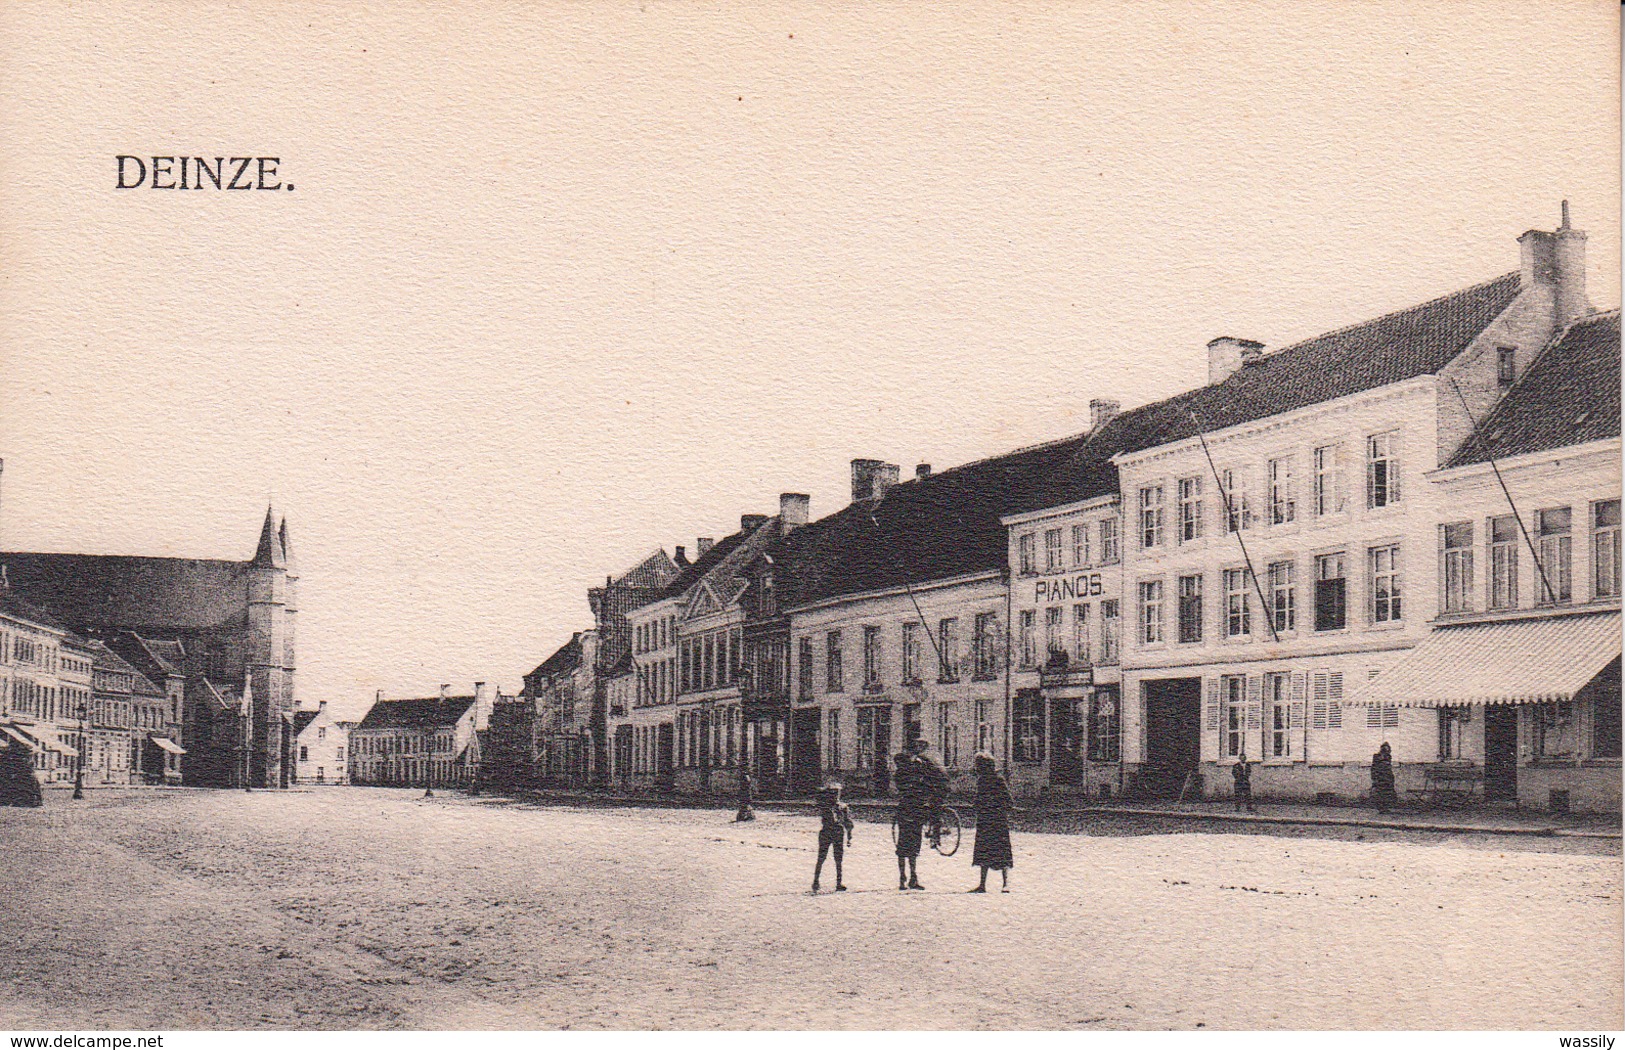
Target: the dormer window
(1506, 365)
(767, 602)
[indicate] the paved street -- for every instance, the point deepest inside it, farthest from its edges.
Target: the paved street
(368, 908)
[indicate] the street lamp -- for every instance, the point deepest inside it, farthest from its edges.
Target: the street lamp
(79, 761)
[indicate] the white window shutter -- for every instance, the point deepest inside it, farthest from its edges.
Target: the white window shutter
(1300, 691)
(1255, 701)
(1334, 697)
(1210, 738)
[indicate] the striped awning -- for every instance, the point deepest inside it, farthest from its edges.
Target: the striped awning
(1534, 661)
(169, 745)
(43, 737)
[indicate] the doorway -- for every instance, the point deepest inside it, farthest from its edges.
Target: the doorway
(804, 765)
(1173, 734)
(1066, 743)
(1500, 753)
(664, 754)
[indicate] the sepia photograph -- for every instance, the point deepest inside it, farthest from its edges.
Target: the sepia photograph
(654, 516)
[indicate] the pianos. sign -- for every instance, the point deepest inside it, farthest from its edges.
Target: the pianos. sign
(1083, 585)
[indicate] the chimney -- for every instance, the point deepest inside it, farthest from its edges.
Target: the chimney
(1570, 257)
(378, 698)
(703, 544)
(751, 522)
(871, 478)
(794, 510)
(321, 705)
(922, 470)
(1226, 354)
(1102, 411)
(482, 706)
(445, 690)
(681, 557)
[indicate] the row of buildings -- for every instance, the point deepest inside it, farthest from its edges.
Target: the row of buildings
(130, 670)
(1402, 531)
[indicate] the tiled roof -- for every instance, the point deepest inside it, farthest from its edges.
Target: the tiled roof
(102, 590)
(13, 605)
(696, 570)
(948, 524)
(1569, 395)
(301, 719)
(427, 712)
(564, 659)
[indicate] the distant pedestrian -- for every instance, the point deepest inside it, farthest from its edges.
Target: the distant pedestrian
(747, 795)
(1242, 772)
(834, 832)
(993, 809)
(1383, 794)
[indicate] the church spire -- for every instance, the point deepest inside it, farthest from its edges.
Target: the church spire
(269, 553)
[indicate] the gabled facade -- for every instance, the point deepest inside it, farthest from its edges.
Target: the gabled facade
(322, 746)
(423, 742)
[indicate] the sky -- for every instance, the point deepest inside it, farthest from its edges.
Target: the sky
(558, 283)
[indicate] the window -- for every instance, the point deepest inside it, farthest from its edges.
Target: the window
(1053, 552)
(767, 600)
(834, 681)
(1556, 581)
(1281, 720)
(1331, 592)
(1554, 730)
(1110, 631)
(1237, 514)
(948, 647)
(1506, 365)
(1453, 732)
(1190, 608)
(1382, 469)
(870, 722)
(1150, 612)
(1328, 488)
(1283, 580)
(1080, 546)
(986, 644)
(1108, 541)
(1382, 716)
(1027, 549)
(1605, 549)
(834, 738)
(1233, 705)
(1055, 633)
(1190, 509)
(304, 753)
(1080, 634)
(871, 659)
(1105, 726)
(321, 732)
(1283, 507)
(912, 729)
(1027, 637)
(1150, 517)
(1326, 700)
(984, 726)
(805, 670)
(338, 755)
(948, 735)
(1029, 726)
(1238, 604)
(1504, 562)
(1456, 574)
(1385, 606)
(911, 653)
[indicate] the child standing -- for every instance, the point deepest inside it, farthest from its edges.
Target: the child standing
(834, 830)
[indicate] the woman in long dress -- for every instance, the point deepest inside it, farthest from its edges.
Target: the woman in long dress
(993, 809)
(1383, 794)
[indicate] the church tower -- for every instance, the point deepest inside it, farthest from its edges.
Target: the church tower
(267, 598)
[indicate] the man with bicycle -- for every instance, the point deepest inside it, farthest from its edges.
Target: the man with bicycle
(921, 788)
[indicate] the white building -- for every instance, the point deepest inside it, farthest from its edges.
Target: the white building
(1281, 534)
(420, 742)
(321, 743)
(1518, 684)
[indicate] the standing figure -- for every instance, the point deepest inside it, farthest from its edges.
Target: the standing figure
(747, 795)
(18, 784)
(834, 832)
(1242, 771)
(1383, 795)
(910, 822)
(993, 809)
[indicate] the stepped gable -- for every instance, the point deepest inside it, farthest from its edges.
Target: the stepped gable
(947, 524)
(427, 712)
(1569, 395)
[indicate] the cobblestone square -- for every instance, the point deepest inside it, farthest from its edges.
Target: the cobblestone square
(371, 908)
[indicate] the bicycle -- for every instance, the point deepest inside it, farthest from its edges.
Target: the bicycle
(943, 837)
